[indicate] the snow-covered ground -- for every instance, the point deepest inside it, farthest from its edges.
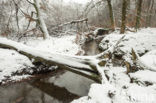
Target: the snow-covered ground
(11, 61)
(121, 90)
(64, 44)
(137, 87)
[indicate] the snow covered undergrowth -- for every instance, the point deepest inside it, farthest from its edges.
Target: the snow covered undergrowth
(12, 62)
(136, 87)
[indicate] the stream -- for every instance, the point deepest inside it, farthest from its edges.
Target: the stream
(57, 89)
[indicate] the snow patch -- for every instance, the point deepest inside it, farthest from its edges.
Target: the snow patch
(10, 62)
(145, 76)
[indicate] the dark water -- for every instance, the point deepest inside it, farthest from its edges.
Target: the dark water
(91, 47)
(58, 89)
(62, 89)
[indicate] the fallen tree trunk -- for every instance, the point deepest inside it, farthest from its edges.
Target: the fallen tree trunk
(71, 22)
(80, 65)
(87, 66)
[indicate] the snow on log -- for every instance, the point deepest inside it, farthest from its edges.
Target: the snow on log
(79, 65)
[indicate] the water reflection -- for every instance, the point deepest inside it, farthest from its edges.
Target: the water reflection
(57, 89)
(59, 93)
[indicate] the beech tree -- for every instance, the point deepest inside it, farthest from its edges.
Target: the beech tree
(40, 21)
(111, 14)
(150, 4)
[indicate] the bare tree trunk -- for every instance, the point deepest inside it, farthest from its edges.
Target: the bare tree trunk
(139, 6)
(149, 13)
(111, 14)
(124, 12)
(98, 13)
(41, 22)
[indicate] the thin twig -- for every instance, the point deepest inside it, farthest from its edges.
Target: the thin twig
(30, 2)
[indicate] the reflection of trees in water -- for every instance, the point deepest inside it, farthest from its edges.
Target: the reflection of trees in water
(60, 93)
(14, 93)
(42, 93)
(23, 93)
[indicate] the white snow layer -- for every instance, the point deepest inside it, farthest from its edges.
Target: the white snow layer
(145, 76)
(10, 62)
(149, 60)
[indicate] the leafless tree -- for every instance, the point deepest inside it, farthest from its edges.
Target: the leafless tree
(138, 17)
(111, 14)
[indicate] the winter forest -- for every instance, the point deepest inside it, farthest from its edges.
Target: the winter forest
(77, 51)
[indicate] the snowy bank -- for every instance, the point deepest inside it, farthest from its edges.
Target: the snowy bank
(142, 41)
(121, 89)
(136, 87)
